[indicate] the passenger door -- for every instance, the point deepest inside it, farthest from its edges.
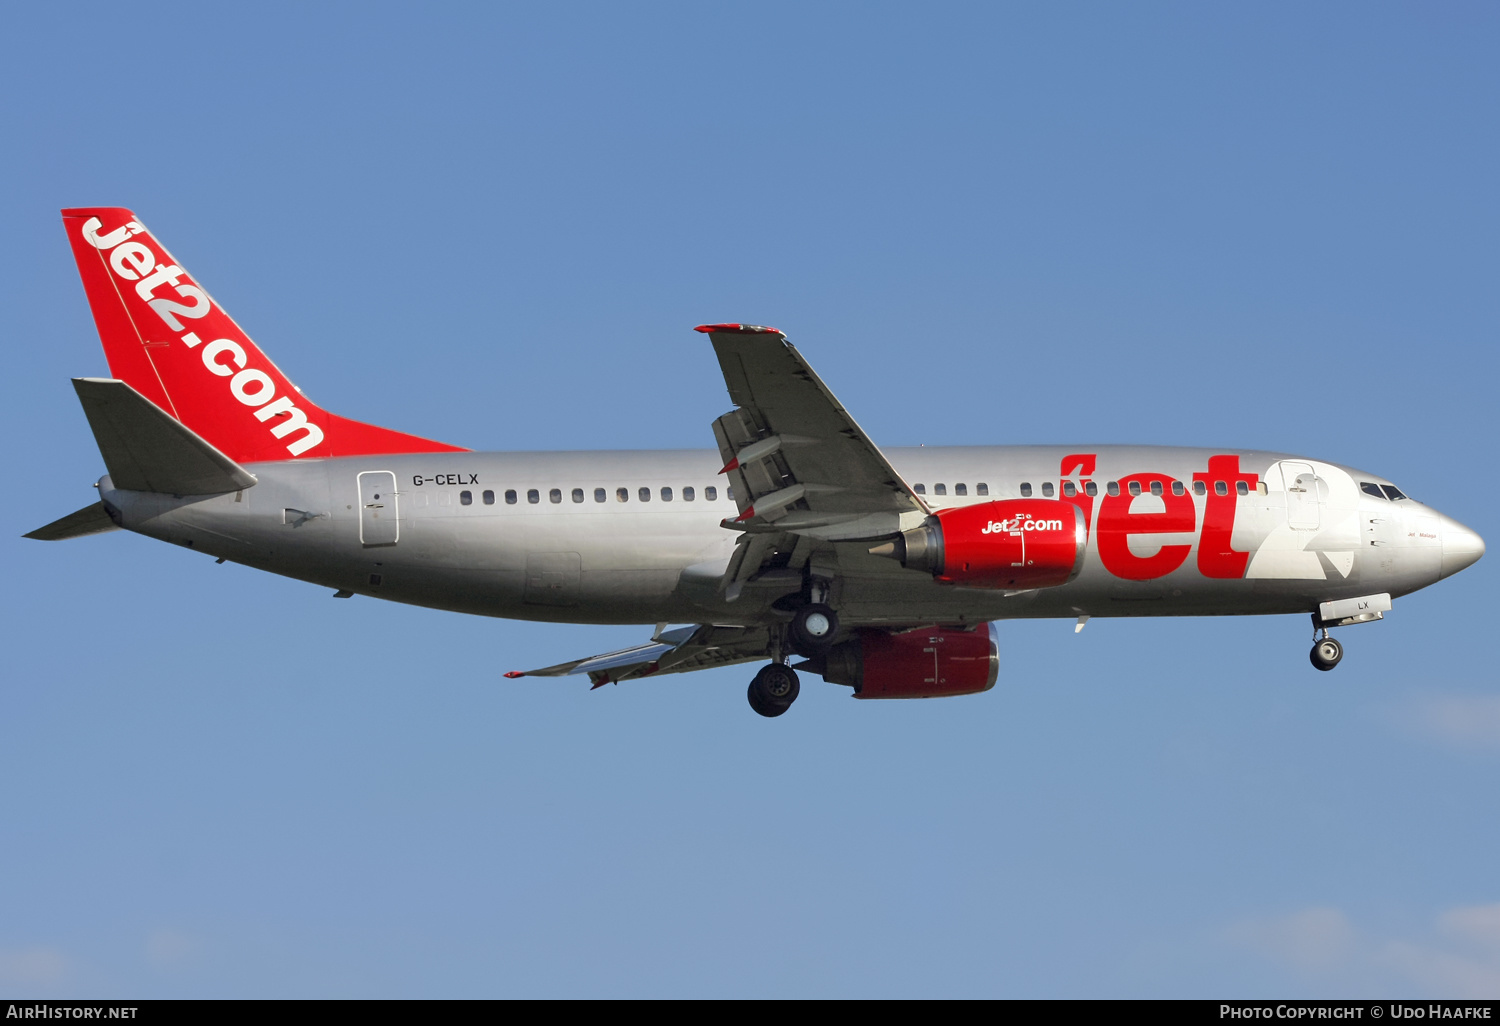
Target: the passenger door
(1303, 512)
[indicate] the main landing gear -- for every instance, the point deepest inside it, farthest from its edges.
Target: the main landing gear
(810, 634)
(812, 629)
(774, 689)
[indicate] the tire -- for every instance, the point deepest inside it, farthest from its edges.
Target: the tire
(773, 690)
(813, 629)
(1325, 655)
(760, 705)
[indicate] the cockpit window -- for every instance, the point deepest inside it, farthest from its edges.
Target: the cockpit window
(1371, 488)
(1392, 492)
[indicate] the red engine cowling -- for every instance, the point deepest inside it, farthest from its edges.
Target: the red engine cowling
(1009, 543)
(932, 662)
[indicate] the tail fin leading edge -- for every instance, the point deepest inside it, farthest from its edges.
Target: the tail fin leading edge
(166, 338)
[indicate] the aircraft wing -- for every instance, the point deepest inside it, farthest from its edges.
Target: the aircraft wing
(688, 648)
(804, 473)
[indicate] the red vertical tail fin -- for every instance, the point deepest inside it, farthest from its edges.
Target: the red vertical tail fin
(166, 337)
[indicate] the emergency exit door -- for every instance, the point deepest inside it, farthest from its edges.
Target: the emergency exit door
(378, 524)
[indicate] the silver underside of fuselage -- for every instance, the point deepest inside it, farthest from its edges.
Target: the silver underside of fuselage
(637, 561)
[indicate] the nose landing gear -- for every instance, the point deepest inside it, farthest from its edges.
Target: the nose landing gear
(1326, 652)
(774, 689)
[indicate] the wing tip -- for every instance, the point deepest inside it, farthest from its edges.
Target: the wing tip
(738, 329)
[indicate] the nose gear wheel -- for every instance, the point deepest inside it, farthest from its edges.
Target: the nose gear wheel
(1326, 653)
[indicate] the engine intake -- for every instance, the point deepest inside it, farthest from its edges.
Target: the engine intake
(1009, 543)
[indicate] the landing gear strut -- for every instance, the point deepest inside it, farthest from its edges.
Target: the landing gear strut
(774, 689)
(1326, 652)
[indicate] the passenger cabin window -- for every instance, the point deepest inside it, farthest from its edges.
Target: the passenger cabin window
(1113, 488)
(555, 495)
(688, 495)
(960, 489)
(1090, 488)
(1156, 488)
(1371, 488)
(1242, 487)
(920, 489)
(622, 494)
(710, 494)
(489, 497)
(1135, 488)
(644, 494)
(1069, 488)
(600, 495)
(510, 496)
(1220, 488)
(1177, 488)
(1025, 489)
(981, 489)
(666, 495)
(1047, 489)
(1392, 492)
(466, 498)
(1199, 488)
(939, 489)
(577, 494)
(532, 495)
(729, 493)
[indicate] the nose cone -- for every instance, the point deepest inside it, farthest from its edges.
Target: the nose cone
(1461, 546)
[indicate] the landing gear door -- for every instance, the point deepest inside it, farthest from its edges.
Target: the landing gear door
(1303, 498)
(378, 524)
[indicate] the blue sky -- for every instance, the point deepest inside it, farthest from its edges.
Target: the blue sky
(1267, 225)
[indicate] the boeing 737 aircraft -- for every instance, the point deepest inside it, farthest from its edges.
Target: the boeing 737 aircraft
(880, 570)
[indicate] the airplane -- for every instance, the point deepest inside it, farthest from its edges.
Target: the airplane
(796, 538)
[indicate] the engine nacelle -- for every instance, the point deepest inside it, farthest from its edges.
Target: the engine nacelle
(1009, 543)
(932, 662)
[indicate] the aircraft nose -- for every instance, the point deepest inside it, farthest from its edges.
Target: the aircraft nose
(1461, 546)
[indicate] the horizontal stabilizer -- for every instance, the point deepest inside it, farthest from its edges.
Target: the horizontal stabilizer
(146, 450)
(89, 520)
